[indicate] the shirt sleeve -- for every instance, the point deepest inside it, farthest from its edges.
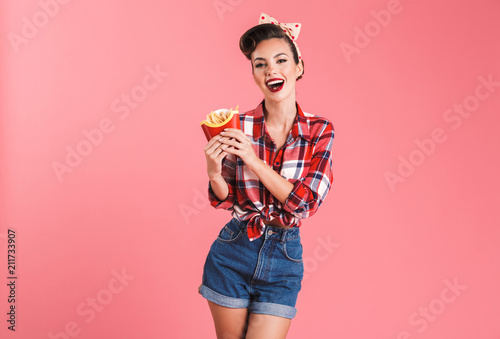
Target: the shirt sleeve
(309, 192)
(229, 175)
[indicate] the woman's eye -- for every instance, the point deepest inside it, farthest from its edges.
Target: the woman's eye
(259, 65)
(284, 60)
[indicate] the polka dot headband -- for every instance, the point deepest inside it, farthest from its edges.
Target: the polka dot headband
(292, 29)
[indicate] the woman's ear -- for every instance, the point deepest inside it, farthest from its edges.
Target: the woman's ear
(299, 69)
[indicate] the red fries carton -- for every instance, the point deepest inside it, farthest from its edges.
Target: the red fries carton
(218, 120)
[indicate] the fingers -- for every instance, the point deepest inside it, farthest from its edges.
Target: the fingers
(221, 155)
(235, 143)
(212, 142)
(233, 130)
(215, 151)
(229, 142)
(239, 149)
(232, 140)
(214, 147)
(235, 133)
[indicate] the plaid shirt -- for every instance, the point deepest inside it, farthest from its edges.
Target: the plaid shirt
(304, 160)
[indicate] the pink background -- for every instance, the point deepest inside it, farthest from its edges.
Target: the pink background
(380, 253)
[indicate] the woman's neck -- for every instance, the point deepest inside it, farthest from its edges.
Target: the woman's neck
(280, 115)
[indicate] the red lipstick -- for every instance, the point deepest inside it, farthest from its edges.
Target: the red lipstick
(275, 84)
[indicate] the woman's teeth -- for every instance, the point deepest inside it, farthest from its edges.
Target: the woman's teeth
(275, 84)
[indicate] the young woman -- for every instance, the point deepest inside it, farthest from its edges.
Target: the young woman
(271, 174)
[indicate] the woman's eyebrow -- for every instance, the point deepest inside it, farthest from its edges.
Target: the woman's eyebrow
(277, 55)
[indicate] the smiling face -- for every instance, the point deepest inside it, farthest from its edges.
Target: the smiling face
(274, 70)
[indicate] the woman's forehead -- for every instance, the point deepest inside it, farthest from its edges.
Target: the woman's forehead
(271, 48)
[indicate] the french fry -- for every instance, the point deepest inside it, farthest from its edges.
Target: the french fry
(217, 120)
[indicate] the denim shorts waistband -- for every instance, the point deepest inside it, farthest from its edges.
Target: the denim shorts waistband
(282, 233)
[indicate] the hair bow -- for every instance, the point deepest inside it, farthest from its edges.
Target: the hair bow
(291, 29)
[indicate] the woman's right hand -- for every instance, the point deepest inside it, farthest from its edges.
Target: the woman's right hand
(214, 155)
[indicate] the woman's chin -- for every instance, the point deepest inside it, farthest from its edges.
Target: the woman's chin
(276, 97)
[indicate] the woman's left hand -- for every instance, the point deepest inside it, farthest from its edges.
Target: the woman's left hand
(236, 142)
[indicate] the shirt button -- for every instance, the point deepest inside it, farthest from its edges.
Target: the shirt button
(277, 163)
(269, 232)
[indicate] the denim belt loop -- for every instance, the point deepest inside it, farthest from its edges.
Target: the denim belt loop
(283, 236)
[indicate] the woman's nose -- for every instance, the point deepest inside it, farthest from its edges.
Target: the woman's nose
(270, 69)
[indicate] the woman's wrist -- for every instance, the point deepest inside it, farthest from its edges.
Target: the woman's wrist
(220, 187)
(272, 180)
(255, 164)
(214, 177)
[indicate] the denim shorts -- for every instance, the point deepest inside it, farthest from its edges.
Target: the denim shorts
(263, 275)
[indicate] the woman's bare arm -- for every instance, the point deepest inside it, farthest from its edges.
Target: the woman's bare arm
(214, 155)
(236, 142)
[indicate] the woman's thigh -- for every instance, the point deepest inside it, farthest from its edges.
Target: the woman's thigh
(230, 323)
(267, 326)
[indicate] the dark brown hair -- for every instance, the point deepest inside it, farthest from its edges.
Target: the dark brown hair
(252, 37)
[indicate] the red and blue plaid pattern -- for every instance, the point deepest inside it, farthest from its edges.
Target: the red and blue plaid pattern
(305, 160)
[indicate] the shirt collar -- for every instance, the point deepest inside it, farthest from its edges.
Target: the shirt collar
(300, 127)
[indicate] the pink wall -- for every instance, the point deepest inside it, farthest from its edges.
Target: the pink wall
(111, 240)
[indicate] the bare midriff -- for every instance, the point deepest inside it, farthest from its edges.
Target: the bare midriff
(275, 222)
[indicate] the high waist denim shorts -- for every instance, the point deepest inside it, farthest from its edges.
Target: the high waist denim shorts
(263, 275)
